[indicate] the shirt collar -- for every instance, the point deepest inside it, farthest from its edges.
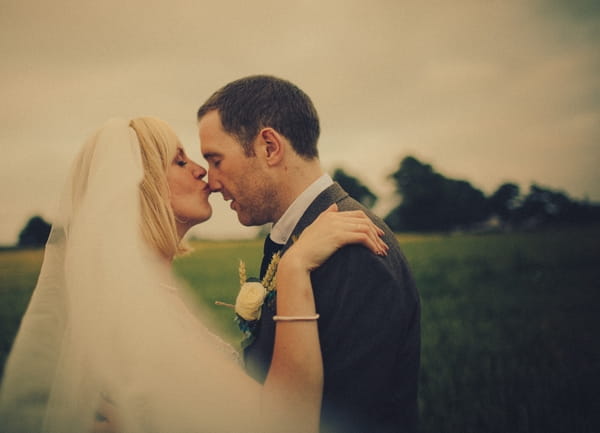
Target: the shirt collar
(282, 230)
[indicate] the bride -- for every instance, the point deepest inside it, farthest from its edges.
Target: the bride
(110, 343)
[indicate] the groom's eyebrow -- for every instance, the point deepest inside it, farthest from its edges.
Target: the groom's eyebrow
(211, 155)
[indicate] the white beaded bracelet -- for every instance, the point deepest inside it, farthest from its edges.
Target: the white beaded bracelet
(295, 318)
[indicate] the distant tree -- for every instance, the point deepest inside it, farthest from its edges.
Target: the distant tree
(355, 188)
(464, 205)
(419, 186)
(504, 201)
(431, 201)
(543, 206)
(35, 233)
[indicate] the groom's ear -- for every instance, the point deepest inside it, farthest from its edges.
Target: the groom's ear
(271, 145)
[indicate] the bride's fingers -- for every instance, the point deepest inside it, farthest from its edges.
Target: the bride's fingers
(374, 243)
(363, 229)
(364, 232)
(364, 240)
(362, 218)
(332, 208)
(360, 215)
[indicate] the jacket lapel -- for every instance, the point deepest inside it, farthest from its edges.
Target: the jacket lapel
(332, 194)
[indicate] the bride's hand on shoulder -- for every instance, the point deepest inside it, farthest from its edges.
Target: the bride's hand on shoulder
(331, 231)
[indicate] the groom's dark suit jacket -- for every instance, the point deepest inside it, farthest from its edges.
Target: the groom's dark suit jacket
(369, 331)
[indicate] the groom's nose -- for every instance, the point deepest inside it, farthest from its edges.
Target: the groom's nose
(213, 182)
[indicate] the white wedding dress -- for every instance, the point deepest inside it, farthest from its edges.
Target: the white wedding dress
(105, 321)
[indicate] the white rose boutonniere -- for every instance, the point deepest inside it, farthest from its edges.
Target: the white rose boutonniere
(250, 300)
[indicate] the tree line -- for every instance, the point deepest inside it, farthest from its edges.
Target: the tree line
(432, 202)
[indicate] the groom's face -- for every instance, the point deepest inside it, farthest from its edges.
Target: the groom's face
(240, 178)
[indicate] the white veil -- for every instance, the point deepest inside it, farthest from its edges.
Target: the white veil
(106, 322)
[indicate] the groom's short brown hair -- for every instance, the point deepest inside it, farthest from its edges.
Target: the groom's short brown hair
(249, 104)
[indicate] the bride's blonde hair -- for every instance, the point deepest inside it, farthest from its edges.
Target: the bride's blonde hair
(159, 145)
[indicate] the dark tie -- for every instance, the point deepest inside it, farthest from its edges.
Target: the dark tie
(270, 249)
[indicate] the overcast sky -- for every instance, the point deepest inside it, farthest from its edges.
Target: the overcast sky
(486, 91)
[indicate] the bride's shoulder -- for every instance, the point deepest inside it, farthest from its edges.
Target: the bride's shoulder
(224, 348)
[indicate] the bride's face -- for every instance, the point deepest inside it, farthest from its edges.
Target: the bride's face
(188, 192)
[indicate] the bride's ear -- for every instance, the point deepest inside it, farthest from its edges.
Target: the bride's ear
(271, 145)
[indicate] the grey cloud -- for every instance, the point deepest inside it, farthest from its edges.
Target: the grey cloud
(487, 91)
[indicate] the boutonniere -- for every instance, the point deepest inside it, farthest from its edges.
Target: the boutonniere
(252, 296)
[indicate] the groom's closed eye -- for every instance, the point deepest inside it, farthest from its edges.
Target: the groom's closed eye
(213, 159)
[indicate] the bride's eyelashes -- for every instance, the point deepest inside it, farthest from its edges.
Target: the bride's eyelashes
(181, 158)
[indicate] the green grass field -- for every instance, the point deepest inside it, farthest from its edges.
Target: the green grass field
(509, 323)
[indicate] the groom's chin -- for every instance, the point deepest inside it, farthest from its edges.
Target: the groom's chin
(245, 219)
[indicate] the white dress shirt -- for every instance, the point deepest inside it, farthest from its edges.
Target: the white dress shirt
(282, 230)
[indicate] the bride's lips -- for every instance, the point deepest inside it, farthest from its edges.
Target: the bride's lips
(206, 190)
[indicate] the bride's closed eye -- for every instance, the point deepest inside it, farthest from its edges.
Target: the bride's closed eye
(181, 158)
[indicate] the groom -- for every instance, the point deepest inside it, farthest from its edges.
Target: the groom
(259, 135)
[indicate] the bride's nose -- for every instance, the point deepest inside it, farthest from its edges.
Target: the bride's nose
(198, 171)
